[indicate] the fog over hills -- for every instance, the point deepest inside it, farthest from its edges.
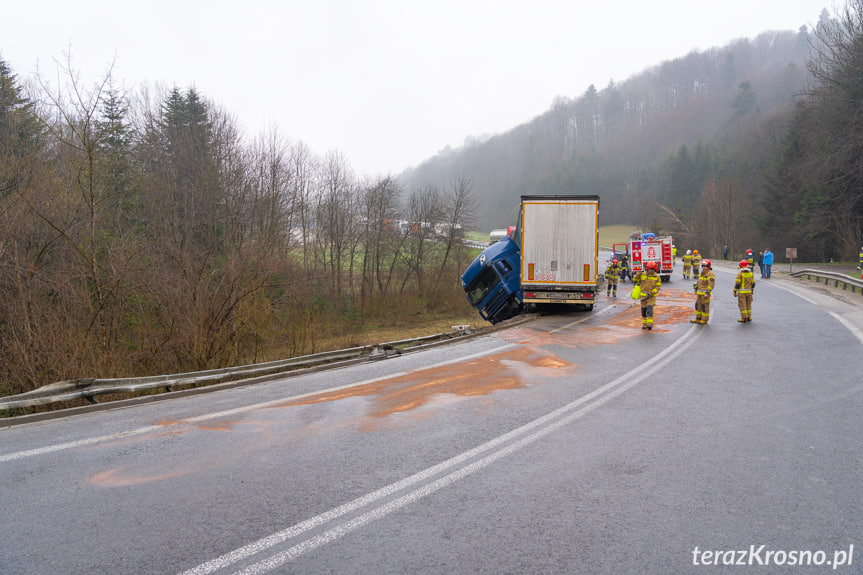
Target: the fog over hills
(614, 140)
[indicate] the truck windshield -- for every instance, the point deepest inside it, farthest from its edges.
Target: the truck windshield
(480, 287)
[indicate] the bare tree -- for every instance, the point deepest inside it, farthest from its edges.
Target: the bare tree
(304, 188)
(268, 198)
(424, 208)
(458, 213)
(722, 217)
(336, 219)
(381, 235)
(85, 144)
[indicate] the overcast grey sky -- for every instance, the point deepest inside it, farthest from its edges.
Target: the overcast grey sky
(388, 83)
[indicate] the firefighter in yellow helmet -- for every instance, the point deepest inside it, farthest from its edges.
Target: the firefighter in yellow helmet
(612, 272)
(703, 289)
(687, 264)
(649, 283)
(744, 288)
(696, 264)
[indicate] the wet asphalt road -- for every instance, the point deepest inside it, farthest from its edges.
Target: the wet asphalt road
(574, 443)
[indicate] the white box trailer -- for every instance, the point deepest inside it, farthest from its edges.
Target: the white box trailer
(559, 241)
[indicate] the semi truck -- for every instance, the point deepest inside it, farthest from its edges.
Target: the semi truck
(550, 258)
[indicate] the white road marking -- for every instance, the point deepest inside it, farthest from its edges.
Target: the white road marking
(231, 412)
(227, 413)
(802, 294)
(78, 443)
(520, 437)
(850, 326)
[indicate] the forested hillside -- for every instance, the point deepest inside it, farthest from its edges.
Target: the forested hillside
(751, 145)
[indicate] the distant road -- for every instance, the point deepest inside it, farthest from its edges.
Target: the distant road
(575, 443)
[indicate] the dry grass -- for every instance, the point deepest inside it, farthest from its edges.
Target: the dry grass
(617, 234)
(420, 324)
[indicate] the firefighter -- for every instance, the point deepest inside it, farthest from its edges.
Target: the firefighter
(649, 283)
(703, 289)
(744, 289)
(860, 259)
(687, 264)
(624, 268)
(612, 272)
(696, 264)
(750, 258)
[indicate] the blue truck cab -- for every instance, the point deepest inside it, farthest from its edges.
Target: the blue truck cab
(492, 281)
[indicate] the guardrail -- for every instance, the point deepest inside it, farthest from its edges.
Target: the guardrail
(846, 281)
(89, 388)
(475, 244)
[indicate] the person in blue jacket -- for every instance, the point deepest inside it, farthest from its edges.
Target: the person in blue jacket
(768, 262)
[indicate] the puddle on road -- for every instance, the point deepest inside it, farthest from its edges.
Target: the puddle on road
(410, 392)
(121, 477)
(673, 307)
(418, 392)
(480, 376)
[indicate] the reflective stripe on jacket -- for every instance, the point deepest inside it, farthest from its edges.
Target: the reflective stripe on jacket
(745, 281)
(649, 282)
(706, 281)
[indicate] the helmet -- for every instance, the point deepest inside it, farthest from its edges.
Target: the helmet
(614, 261)
(695, 252)
(688, 252)
(744, 264)
(705, 263)
(650, 265)
(749, 251)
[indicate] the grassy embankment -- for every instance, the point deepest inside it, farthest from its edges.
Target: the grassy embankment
(617, 234)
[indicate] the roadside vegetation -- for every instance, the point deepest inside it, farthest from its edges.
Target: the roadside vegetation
(141, 235)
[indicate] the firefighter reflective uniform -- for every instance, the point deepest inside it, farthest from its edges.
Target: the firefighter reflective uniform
(744, 288)
(687, 264)
(612, 272)
(860, 260)
(696, 264)
(750, 259)
(650, 284)
(703, 289)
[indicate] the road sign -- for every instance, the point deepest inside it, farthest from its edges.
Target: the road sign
(791, 255)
